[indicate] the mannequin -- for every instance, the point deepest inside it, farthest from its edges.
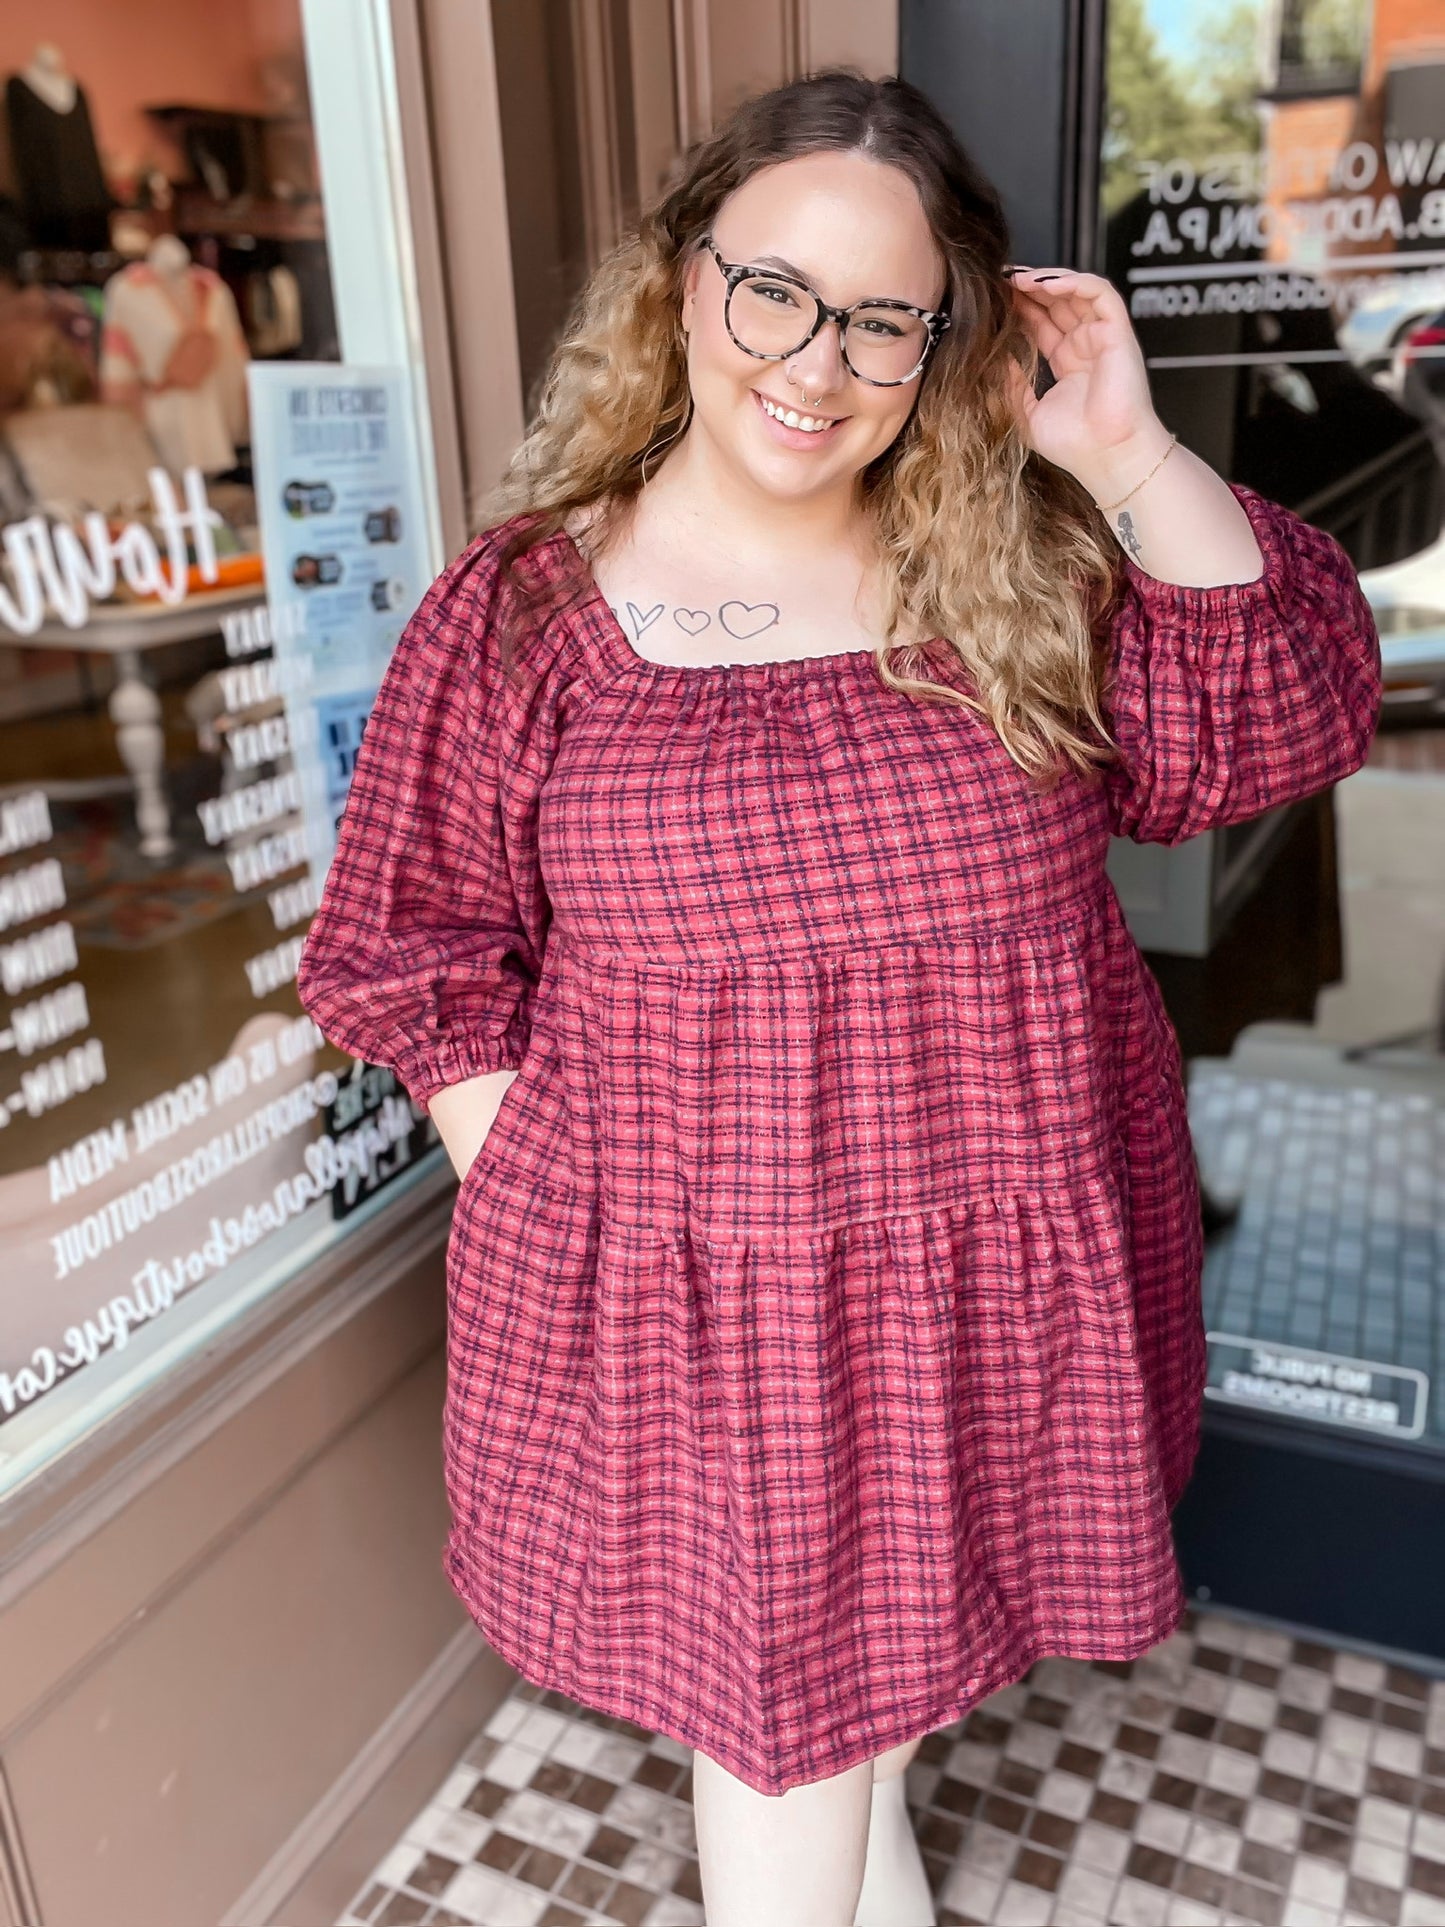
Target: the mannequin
(46, 74)
(62, 185)
(171, 260)
(174, 351)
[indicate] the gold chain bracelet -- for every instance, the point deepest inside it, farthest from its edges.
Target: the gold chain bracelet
(1107, 508)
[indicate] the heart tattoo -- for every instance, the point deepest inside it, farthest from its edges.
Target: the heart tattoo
(643, 621)
(745, 619)
(691, 621)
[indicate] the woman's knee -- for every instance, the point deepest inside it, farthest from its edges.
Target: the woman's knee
(794, 1859)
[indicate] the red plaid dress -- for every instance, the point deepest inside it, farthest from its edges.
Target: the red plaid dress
(824, 1326)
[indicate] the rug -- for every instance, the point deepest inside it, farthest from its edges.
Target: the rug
(121, 900)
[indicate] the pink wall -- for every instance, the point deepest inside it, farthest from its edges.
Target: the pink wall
(152, 51)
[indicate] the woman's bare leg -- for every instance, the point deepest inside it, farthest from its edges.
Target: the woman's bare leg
(896, 1759)
(792, 1859)
(895, 1890)
(831, 1854)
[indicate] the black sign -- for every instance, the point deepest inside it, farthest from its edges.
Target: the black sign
(377, 1133)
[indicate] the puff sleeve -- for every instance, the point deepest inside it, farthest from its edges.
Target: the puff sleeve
(1228, 701)
(427, 943)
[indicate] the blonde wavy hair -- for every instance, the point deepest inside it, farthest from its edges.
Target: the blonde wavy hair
(982, 543)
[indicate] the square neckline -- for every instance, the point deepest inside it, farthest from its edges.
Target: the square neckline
(624, 647)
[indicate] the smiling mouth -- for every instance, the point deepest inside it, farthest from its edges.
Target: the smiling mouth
(793, 418)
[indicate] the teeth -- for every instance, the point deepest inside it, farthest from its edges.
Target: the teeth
(811, 424)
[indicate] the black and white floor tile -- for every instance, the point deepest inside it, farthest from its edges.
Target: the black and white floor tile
(1235, 1776)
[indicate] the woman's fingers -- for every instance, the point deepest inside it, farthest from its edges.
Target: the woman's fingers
(1093, 293)
(1045, 330)
(1077, 279)
(1062, 310)
(1036, 301)
(1066, 343)
(1073, 290)
(1072, 329)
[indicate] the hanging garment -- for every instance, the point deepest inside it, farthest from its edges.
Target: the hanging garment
(273, 311)
(62, 187)
(180, 365)
(824, 1336)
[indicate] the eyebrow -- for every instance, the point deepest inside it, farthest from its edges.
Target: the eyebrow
(791, 267)
(777, 261)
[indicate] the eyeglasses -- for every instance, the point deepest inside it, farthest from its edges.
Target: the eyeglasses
(772, 315)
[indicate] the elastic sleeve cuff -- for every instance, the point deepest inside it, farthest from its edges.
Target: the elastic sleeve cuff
(454, 1060)
(1226, 607)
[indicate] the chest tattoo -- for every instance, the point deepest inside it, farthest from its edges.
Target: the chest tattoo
(740, 620)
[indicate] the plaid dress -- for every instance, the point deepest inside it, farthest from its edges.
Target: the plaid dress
(824, 1329)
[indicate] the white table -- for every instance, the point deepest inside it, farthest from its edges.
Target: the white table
(124, 631)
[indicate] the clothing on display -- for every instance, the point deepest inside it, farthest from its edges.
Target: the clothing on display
(62, 187)
(825, 1341)
(173, 349)
(273, 311)
(48, 348)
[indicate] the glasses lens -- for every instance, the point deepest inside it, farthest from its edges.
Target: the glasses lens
(771, 316)
(885, 344)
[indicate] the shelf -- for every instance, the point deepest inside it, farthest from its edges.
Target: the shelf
(196, 213)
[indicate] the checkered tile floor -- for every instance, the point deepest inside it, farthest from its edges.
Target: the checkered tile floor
(1234, 1775)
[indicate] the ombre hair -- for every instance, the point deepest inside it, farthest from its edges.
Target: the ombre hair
(983, 544)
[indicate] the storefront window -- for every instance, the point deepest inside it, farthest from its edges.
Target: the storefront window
(1273, 209)
(174, 744)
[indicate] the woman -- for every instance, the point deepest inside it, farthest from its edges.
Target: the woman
(824, 1327)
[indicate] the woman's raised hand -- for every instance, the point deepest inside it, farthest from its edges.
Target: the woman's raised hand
(1177, 519)
(1099, 412)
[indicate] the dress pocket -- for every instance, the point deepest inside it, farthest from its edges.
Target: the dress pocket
(521, 1377)
(490, 1146)
(467, 1291)
(464, 1239)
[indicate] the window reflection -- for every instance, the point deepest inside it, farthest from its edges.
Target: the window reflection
(1272, 194)
(159, 1085)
